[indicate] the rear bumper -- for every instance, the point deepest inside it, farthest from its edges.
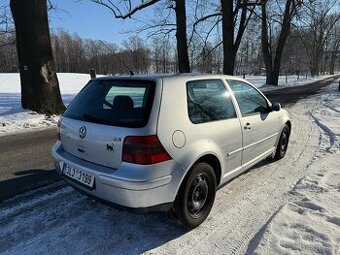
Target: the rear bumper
(127, 186)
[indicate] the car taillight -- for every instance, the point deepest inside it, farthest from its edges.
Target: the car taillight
(144, 150)
(58, 131)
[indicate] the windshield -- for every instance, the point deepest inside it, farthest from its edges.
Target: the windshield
(125, 103)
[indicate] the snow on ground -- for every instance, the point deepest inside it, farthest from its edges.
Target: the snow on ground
(14, 119)
(290, 206)
(70, 83)
(284, 81)
(310, 223)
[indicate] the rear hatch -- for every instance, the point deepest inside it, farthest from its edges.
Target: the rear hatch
(96, 122)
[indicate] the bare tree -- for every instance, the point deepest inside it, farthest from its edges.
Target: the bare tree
(318, 28)
(181, 36)
(75, 54)
(6, 22)
(294, 58)
(8, 55)
(8, 61)
(162, 54)
(273, 43)
(127, 9)
(206, 60)
(136, 56)
(39, 84)
(234, 15)
(334, 49)
(235, 19)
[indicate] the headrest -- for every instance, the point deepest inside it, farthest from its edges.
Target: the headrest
(123, 102)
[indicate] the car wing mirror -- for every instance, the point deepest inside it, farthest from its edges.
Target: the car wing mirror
(276, 106)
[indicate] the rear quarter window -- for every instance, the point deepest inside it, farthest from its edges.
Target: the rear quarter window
(125, 103)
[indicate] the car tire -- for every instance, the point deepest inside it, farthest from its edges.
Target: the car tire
(282, 146)
(196, 196)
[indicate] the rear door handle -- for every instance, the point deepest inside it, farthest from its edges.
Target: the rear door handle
(247, 126)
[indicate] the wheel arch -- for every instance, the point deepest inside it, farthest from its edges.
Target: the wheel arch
(214, 162)
(286, 122)
(179, 209)
(211, 160)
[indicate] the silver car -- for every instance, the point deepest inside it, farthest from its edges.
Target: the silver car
(166, 143)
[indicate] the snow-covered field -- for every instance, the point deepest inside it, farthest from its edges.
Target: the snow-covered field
(289, 206)
(14, 119)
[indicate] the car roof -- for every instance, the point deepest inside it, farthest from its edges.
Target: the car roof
(179, 76)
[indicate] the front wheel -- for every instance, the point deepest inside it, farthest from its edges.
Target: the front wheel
(283, 143)
(196, 196)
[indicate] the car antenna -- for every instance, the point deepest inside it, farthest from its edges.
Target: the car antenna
(131, 72)
(112, 51)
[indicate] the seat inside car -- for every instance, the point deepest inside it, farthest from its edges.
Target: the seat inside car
(122, 103)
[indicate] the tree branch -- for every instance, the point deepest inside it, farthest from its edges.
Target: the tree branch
(130, 11)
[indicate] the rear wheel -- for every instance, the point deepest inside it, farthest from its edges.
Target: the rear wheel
(196, 196)
(283, 143)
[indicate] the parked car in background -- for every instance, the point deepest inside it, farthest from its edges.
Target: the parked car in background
(166, 142)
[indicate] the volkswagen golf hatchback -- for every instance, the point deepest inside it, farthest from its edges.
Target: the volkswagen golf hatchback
(166, 142)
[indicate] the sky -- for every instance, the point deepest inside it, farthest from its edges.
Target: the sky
(92, 21)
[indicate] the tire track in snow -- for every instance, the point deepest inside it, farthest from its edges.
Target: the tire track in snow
(328, 132)
(244, 205)
(30, 202)
(38, 217)
(70, 223)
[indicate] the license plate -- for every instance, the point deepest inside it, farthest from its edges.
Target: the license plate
(79, 175)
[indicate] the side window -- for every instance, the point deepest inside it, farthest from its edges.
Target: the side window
(208, 100)
(248, 98)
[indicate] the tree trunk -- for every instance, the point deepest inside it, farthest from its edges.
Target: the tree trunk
(285, 31)
(228, 37)
(273, 67)
(181, 36)
(314, 68)
(266, 49)
(232, 40)
(39, 84)
(335, 49)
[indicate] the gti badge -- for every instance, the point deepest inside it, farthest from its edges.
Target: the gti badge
(82, 132)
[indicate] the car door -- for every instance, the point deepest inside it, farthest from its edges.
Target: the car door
(259, 123)
(211, 110)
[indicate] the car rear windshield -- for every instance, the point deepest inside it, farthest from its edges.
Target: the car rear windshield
(124, 103)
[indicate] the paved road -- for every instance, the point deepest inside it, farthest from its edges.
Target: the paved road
(288, 96)
(25, 161)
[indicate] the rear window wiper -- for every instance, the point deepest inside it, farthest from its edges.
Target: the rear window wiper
(124, 123)
(93, 118)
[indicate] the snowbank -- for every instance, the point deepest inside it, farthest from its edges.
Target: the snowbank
(310, 224)
(14, 119)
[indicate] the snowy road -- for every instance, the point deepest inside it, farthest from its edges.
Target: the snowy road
(58, 220)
